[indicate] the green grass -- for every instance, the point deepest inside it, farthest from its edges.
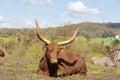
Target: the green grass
(95, 69)
(106, 41)
(28, 67)
(6, 38)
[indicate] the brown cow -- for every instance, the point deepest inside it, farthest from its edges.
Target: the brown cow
(2, 54)
(57, 61)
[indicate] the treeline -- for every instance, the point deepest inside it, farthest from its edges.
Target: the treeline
(87, 29)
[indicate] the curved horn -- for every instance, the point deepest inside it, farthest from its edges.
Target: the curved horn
(70, 40)
(39, 35)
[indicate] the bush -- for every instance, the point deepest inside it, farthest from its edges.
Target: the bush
(115, 42)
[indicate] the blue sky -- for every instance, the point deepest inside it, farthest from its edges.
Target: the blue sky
(53, 13)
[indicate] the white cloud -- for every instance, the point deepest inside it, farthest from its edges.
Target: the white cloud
(31, 2)
(79, 7)
(23, 24)
(17, 24)
(1, 18)
(38, 2)
(43, 24)
(28, 23)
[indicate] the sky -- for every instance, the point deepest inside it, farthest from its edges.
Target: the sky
(54, 13)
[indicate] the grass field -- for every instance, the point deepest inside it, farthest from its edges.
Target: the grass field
(21, 61)
(16, 68)
(106, 41)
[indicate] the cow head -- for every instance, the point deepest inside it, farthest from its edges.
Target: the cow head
(51, 53)
(52, 48)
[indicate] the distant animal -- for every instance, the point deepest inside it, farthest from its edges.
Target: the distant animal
(115, 54)
(109, 60)
(2, 54)
(57, 61)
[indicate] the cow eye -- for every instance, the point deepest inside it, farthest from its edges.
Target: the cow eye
(49, 49)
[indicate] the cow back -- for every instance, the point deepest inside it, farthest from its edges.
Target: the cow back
(71, 63)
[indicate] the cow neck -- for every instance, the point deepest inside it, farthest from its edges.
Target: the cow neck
(52, 68)
(46, 64)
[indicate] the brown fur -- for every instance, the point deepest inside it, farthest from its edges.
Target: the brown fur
(2, 54)
(67, 63)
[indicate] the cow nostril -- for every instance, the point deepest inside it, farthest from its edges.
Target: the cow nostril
(54, 61)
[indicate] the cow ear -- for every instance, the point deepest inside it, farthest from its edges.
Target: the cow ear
(61, 48)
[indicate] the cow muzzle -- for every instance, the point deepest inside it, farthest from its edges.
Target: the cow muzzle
(54, 61)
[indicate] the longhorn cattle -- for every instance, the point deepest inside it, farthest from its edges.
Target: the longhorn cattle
(57, 61)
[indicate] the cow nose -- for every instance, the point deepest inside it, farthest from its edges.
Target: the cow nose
(54, 61)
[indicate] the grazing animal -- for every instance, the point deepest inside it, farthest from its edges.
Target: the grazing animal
(2, 54)
(57, 61)
(109, 60)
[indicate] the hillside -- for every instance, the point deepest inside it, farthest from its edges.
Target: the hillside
(87, 29)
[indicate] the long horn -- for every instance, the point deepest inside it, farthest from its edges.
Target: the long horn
(39, 34)
(70, 40)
